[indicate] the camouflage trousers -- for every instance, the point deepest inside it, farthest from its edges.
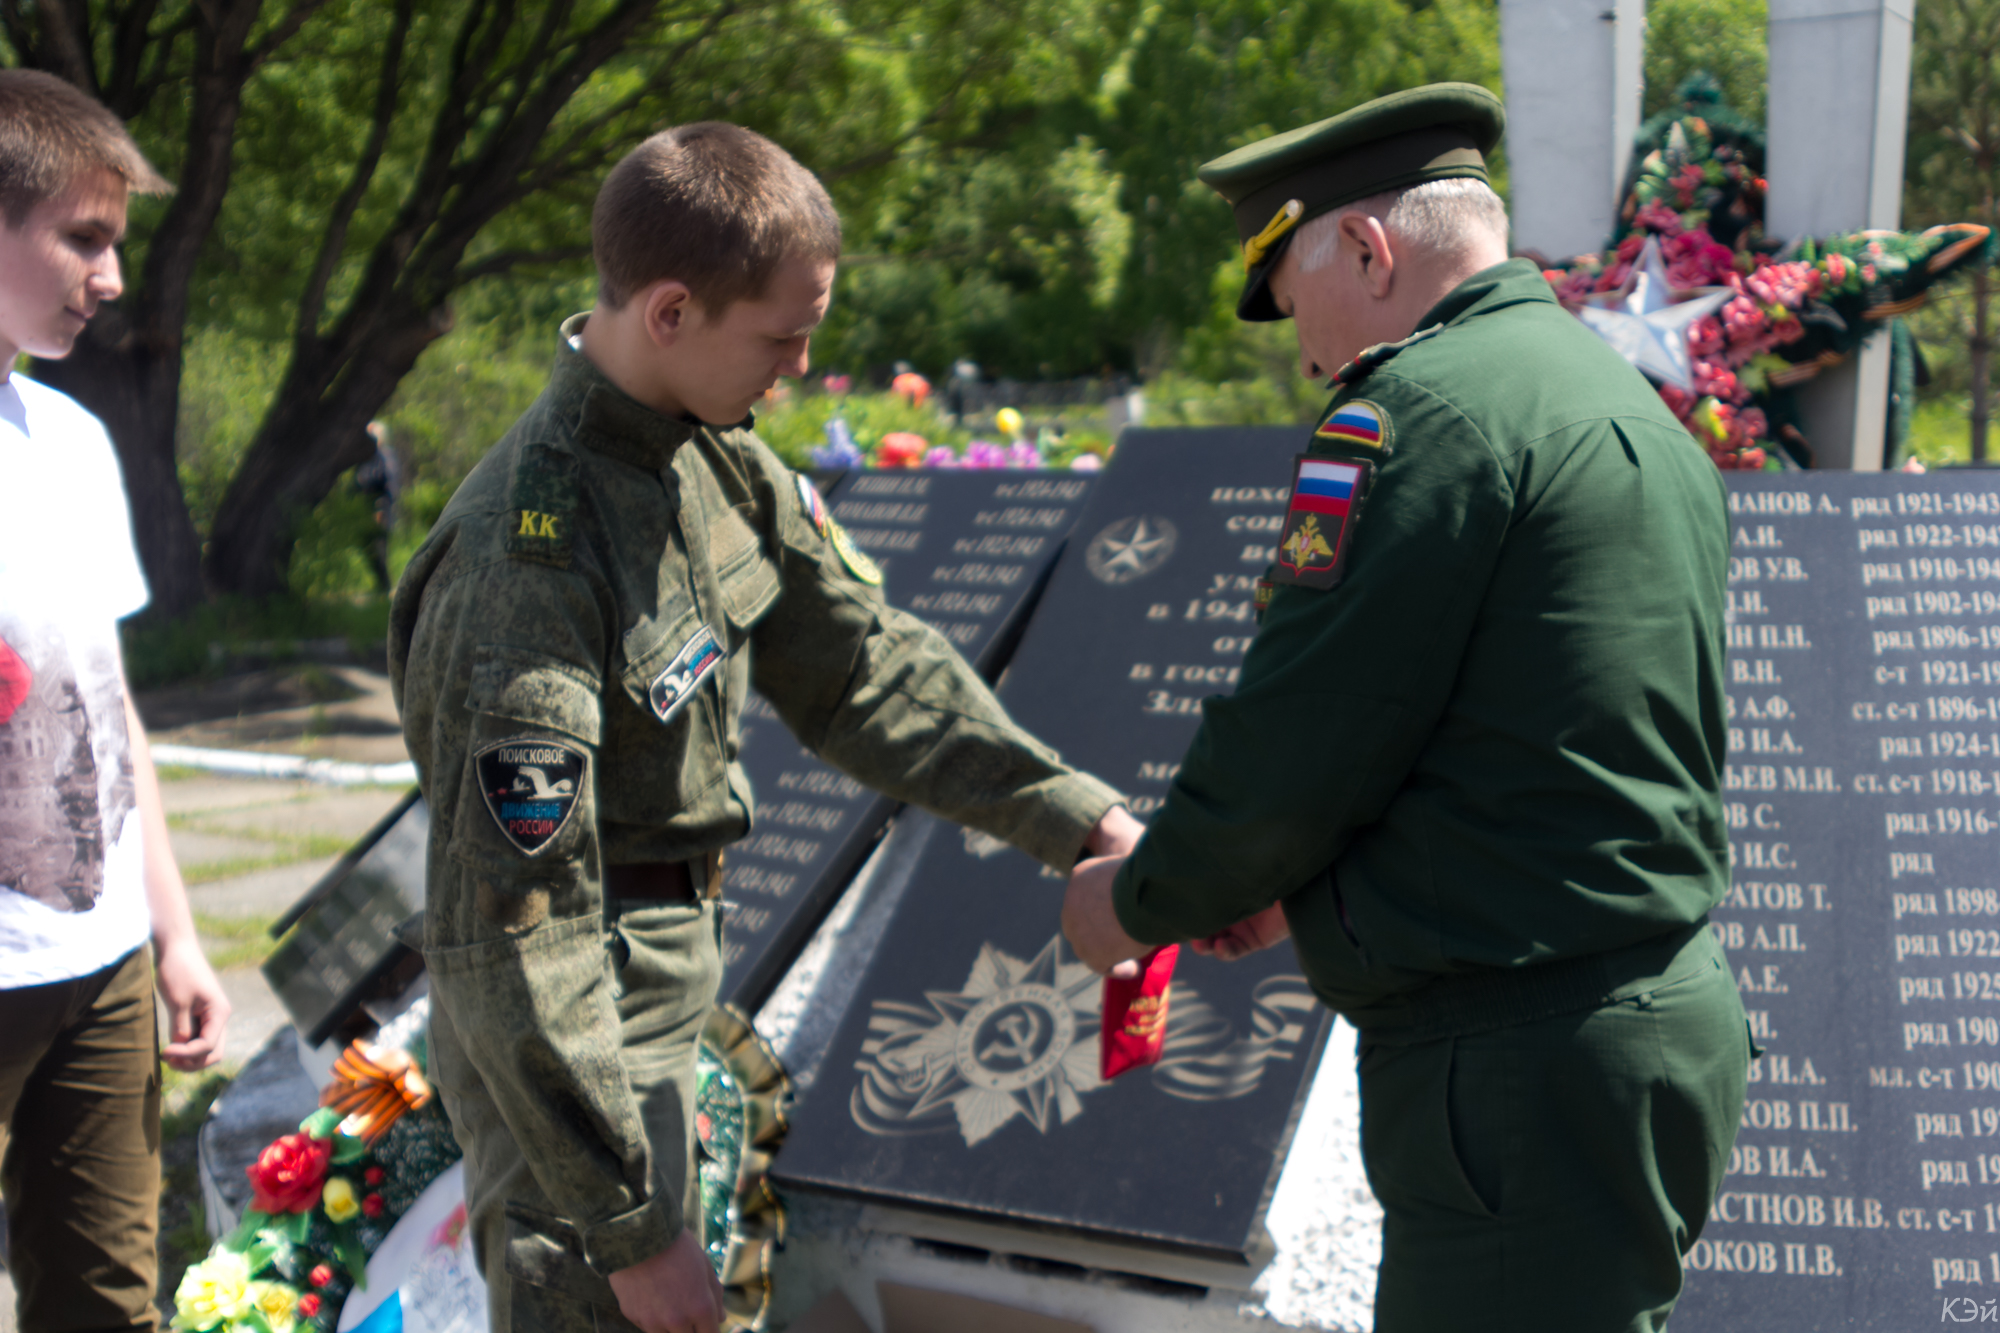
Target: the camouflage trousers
(536, 1281)
(1551, 1175)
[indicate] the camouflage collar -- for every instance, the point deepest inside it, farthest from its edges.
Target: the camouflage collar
(607, 418)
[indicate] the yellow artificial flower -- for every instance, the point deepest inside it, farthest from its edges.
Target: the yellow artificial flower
(340, 1200)
(278, 1303)
(213, 1292)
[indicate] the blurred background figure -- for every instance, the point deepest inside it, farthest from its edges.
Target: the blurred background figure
(376, 479)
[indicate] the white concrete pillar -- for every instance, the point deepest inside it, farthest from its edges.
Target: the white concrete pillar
(1839, 99)
(1574, 73)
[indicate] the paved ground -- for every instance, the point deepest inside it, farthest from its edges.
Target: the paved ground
(250, 847)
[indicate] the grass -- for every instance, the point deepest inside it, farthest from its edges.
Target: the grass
(178, 773)
(235, 941)
(292, 849)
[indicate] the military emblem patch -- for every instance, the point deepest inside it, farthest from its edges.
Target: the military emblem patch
(530, 786)
(698, 657)
(856, 559)
(1356, 425)
(1319, 521)
(810, 501)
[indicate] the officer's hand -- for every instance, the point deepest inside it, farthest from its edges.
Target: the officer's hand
(1247, 936)
(675, 1291)
(1090, 923)
(1114, 835)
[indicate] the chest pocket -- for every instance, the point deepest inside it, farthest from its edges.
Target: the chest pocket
(746, 577)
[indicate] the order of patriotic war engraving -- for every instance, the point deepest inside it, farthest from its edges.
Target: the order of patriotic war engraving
(1021, 1039)
(531, 788)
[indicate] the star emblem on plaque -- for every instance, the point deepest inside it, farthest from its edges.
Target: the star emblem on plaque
(1131, 548)
(1019, 1039)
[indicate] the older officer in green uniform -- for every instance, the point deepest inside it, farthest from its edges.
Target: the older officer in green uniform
(572, 649)
(1474, 761)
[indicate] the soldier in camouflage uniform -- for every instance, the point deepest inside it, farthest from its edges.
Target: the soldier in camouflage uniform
(572, 649)
(1473, 766)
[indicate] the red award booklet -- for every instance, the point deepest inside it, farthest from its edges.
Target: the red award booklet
(1134, 1032)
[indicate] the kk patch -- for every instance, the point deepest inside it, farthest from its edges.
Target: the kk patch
(542, 506)
(810, 501)
(1357, 425)
(531, 786)
(1319, 521)
(694, 663)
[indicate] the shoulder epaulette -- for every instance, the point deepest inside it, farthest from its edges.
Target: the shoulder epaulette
(541, 506)
(1380, 352)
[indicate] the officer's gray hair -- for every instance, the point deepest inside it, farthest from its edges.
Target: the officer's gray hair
(1428, 218)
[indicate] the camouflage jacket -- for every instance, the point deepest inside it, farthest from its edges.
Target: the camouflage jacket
(571, 650)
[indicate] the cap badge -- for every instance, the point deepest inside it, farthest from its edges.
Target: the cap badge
(1274, 231)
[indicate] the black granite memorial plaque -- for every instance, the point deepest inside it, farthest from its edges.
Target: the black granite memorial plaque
(342, 952)
(967, 551)
(965, 1076)
(1863, 923)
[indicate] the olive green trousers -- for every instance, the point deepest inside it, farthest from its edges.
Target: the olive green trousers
(669, 966)
(80, 1148)
(1552, 1175)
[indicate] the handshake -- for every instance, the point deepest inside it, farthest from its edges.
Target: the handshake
(1090, 921)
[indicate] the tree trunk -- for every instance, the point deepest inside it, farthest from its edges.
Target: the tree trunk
(314, 430)
(134, 389)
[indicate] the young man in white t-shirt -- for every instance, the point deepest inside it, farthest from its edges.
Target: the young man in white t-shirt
(87, 877)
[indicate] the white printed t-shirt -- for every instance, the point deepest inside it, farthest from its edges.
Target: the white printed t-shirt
(72, 888)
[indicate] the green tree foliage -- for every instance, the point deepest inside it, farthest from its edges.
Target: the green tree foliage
(1952, 173)
(1082, 240)
(1722, 38)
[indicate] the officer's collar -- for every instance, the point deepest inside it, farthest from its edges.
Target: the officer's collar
(607, 418)
(1490, 289)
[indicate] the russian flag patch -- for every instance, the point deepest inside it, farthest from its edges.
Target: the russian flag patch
(1319, 520)
(1358, 425)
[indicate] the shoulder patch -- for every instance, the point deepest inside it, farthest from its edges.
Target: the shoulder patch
(856, 559)
(1358, 424)
(531, 786)
(810, 501)
(541, 506)
(692, 665)
(1327, 494)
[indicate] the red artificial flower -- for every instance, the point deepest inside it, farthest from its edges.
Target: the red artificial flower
(321, 1275)
(371, 1205)
(1753, 459)
(374, 1175)
(286, 1177)
(309, 1303)
(900, 448)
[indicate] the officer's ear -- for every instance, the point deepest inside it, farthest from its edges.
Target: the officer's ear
(1367, 248)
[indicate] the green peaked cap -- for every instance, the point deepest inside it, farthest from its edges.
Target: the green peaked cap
(1436, 132)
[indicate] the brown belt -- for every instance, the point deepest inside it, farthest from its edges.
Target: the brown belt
(662, 881)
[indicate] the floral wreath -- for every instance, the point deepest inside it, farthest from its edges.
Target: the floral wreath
(324, 1199)
(1696, 197)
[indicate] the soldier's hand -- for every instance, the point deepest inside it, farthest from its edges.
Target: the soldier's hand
(1247, 936)
(1090, 922)
(675, 1291)
(1114, 835)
